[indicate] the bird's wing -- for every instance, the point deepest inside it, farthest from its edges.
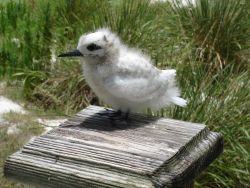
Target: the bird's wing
(133, 86)
(135, 78)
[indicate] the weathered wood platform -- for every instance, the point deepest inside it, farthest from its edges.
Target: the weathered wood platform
(90, 150)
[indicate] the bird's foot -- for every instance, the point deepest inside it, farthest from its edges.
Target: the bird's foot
(115, 116)
(120, 116)
(120, 122)
(110, 113)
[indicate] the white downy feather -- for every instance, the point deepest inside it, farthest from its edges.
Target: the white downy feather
(124, 77)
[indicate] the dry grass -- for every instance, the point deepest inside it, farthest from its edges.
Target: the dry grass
(9, 143)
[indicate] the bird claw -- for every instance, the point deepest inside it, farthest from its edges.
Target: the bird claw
(115, 115)
(110, 113)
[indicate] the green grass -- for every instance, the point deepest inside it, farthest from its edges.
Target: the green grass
(208, 45)
(219, 30)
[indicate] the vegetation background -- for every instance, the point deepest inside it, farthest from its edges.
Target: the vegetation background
(206, 41)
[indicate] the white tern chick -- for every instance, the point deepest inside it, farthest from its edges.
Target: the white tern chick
(124, 77)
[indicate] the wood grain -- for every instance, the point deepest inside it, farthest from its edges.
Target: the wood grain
(90, 150)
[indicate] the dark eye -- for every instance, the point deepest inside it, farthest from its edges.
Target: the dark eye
(93, 47)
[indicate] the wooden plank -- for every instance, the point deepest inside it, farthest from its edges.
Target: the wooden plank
(90, 150)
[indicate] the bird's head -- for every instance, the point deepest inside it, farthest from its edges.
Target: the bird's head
(95, 45)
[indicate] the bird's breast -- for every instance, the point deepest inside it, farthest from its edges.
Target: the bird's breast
(95, 75)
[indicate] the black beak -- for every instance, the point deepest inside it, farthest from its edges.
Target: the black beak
(74, 53)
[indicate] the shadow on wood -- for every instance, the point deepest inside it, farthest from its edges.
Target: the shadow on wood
(89, 151)
(104, 123)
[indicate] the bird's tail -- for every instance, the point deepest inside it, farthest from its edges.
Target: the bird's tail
(173, 91)
(179, 101)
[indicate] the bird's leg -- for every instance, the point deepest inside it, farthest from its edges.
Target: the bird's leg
(122, 119)
(121, 116)
(117, 113)
(110, 113)
(126, 115)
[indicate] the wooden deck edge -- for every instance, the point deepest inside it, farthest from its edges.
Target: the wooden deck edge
(20, 178)
(179, 169)
(44, 173)
(208, 144)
